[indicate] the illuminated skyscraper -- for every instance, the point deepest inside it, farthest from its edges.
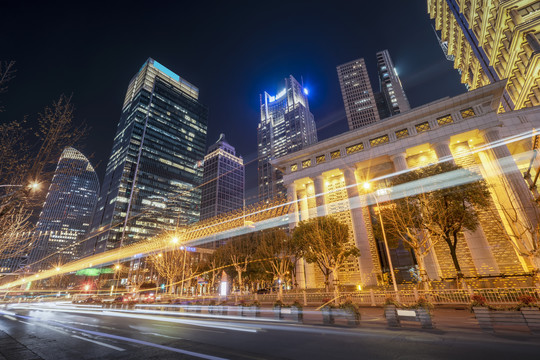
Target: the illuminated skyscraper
(152, 178)
(286, 126)
(491, 41)
(223, 181)
(358, 97)
(394, 95)
(67, 212)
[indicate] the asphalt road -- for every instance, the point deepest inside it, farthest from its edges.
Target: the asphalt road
(90, 333)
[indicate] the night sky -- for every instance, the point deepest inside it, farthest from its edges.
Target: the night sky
(232, 51)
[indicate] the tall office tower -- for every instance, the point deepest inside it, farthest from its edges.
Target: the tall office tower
(223, 180)
(394, 95)
(152, 178)
(492, 41)
(67, 212)
(286, 126)
(358, 96)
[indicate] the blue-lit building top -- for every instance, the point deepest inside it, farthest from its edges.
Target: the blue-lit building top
(153, 175)
(286, 126)
(67, 212)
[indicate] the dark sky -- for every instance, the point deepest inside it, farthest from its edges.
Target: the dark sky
(231, 50)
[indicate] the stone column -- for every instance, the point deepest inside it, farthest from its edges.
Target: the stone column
(442, 149)
(480, 249)
(304, 208)
(320, 200)
(293, 209)
(431, 262)
(400, 161)
(303, 266)
(293, 221)
(506, 167)
(361, 238)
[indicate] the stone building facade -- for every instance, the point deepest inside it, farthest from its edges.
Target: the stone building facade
(466, 130)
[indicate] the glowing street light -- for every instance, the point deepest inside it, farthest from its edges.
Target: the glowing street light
(175, 240)
(34, 185)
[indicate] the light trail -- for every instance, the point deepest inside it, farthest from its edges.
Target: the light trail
(235, 226)
(117, 337)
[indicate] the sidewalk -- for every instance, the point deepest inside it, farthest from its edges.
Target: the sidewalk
(11, 349)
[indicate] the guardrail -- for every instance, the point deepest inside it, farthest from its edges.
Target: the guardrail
(495, 296)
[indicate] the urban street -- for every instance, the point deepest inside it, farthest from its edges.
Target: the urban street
(69, 332)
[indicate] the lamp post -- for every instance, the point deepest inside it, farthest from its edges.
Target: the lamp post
(367, 186)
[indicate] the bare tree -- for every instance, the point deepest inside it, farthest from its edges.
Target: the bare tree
(28, 157)
(326, 243)
(7, 73)
(275, 249)
(445, 212)
(403, 220)
(169, 265)
(239, 252)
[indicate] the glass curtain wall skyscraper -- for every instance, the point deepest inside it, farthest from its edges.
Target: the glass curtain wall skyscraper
(391, 88)
(67, 212)
(358, 97)
(223, 181)
(286, 126)
(152, 178)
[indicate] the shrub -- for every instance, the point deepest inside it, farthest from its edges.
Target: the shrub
(526, 301)
(256, 303)
(351, 307)
(424, 303)
(279, 303)
(390, 301)
(478, 300)
(297, 304)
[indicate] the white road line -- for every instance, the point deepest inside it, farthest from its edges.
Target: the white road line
(99, 343)
(10, 317)
(162, 335)
(27, 323)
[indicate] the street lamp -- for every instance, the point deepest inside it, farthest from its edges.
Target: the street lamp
(367, 186)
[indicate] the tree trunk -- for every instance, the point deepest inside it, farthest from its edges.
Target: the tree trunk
(280, 293)
(336, 283)
(326, 281)
(239, 280)
(453, 253)
(424, 279)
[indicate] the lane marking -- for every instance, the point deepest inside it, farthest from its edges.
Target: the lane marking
(162, 335)
(147, 343)
(99, 343)
(131, 340)
(10, 317)
(27, 323)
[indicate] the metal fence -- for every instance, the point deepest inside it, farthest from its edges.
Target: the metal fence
(495, 296)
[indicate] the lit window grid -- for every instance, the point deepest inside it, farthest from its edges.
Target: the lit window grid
(466, 113)
(294, 167)
(335, 154)
(379, 140)
(320, 159)
(355, 148)
(306, 163)
(445, 120)
(420, 128)
(400, 134)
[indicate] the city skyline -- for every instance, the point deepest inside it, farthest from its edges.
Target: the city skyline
(248, 71)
